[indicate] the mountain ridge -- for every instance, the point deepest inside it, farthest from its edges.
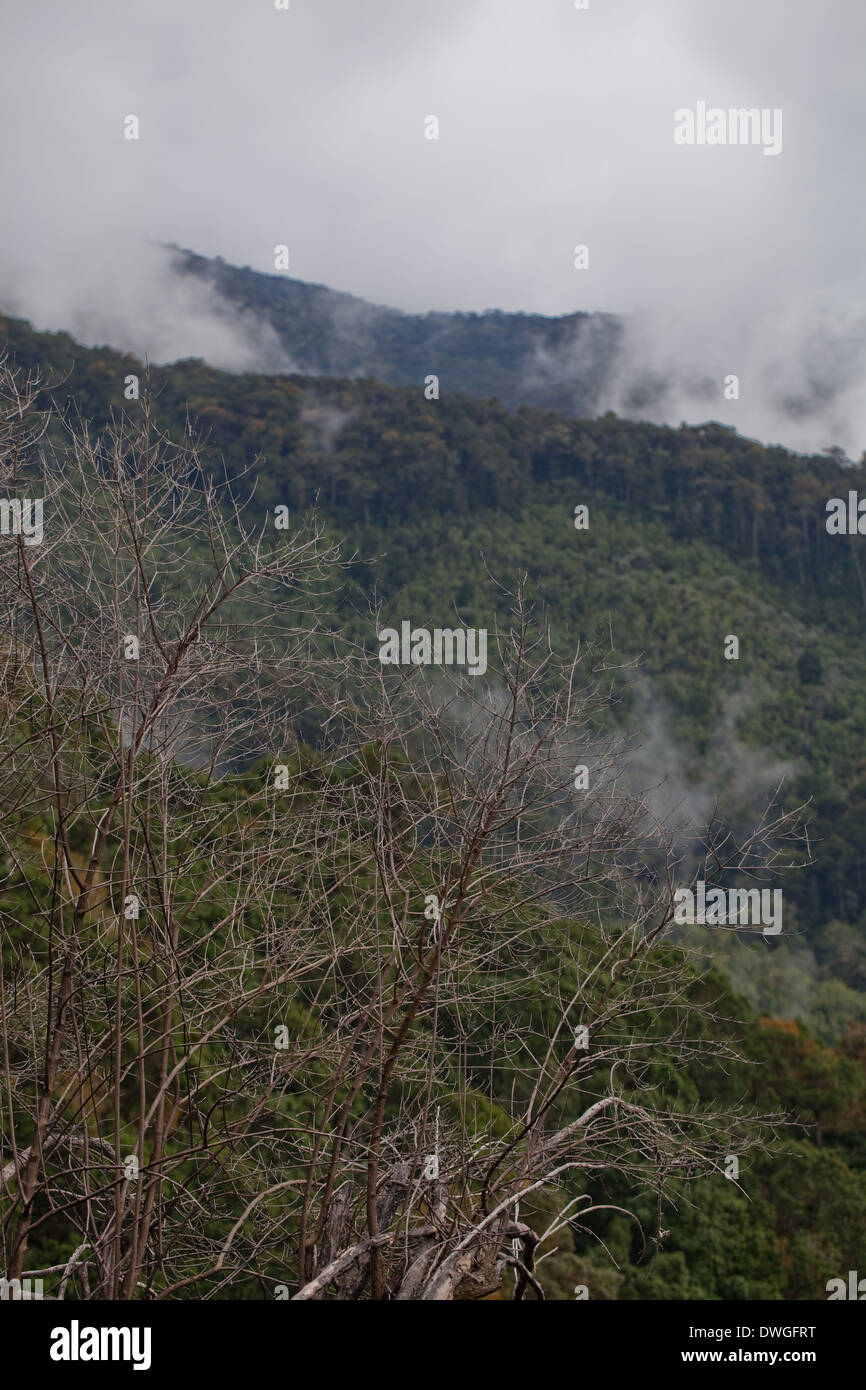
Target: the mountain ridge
(495, 354)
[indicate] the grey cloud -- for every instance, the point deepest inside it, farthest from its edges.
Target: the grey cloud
(306, 127)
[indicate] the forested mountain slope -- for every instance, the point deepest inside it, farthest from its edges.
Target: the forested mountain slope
(559, 363)
(693, 535)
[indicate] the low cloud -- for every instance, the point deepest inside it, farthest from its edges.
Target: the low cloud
(137, 301)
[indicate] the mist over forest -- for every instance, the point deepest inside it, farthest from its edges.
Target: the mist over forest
(433, 852)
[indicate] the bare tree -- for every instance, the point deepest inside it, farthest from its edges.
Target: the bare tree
(131, 682)
(509, 1043)
(319, 1019)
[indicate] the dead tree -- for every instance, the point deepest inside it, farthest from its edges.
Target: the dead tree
(312, 1020)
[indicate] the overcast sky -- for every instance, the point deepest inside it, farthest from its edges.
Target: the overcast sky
(306, 127)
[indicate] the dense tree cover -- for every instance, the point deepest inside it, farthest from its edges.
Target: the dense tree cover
(694, 534)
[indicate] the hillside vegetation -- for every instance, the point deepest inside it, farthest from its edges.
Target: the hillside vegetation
(693, 535)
